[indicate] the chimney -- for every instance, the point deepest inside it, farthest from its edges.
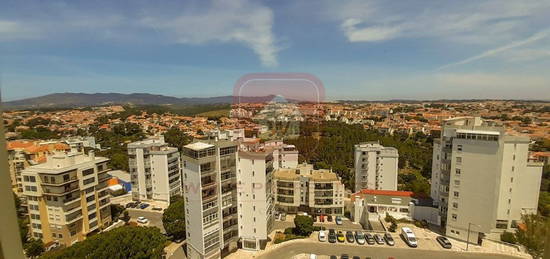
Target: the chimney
(91, 154)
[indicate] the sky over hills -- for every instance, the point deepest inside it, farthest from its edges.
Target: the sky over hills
(359, 49)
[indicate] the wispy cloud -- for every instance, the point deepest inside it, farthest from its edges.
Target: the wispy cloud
(465, 22)
(239, 21)
(501, 49)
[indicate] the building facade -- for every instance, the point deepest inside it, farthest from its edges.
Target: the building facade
(67, 197)
(155, 170)
(482, 179)
(303, 189)
(376, 167)
(210, 173)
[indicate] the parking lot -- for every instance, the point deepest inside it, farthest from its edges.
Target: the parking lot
(154, 217)
(346, 224)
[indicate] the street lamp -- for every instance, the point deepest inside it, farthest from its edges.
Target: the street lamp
(468, 239)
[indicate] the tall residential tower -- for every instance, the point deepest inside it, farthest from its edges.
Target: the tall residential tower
(375, 167)
(155, 170)
(482, 179)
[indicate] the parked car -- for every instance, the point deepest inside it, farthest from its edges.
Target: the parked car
(444, 242)
(333, 257)
(332, 236)
(379, 239)
(344, 256)
(409, 237)
(129, 204)
(356, 257)
(314, 218)
(283, 216)
(142, 220)
(338, 220)
(277, 215)
(349, 237)
(369, 238)
(341, 237)
(360, 237)
(322, 218)
(389, 239)
(157, 208)
(313, 256)
(322, 236)
(143, 206)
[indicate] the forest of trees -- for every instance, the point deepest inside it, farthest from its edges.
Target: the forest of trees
(334, 149)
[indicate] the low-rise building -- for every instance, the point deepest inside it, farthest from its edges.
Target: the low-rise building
(308, 190)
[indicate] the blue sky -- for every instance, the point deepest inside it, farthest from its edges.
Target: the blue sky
(372, 50)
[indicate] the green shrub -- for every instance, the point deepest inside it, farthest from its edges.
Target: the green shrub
(508, 237)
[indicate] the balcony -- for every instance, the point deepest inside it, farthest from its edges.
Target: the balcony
(46, 181)
(208, 195)
(69, 200)
(324, 186)
(60, 190)
(324, 194)
(324, 202)
(103, 177)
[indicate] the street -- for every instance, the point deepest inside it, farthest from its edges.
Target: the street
(291, 249)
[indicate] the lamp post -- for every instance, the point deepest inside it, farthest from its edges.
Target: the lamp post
(468, 239)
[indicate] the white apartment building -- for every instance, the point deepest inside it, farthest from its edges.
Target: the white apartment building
(210, 193)
(482, 179)
(303, 189)
(376, 167)
(255, 197)
(155, 170)
(67, 197)
(256, 164)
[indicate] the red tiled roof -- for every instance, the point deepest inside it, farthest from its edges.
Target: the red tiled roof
(387, 192)
(382, 192)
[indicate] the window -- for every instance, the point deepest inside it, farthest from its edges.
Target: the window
(459, 147)
(89, 180)
(456, 194)
(457, 171)
(88, 172)
(454, 216)
(457, 182)
(459, 160)
(455, 205)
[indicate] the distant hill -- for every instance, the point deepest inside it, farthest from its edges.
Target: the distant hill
(67, 100)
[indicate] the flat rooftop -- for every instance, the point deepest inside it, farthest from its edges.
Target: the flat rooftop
(198, 146)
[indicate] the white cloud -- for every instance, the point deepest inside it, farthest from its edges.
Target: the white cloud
(373, 33)
(238, 21)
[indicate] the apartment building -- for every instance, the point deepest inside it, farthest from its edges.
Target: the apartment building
(210, 173)
(67, 197)
(376, 167)
(482, 179)
(307, 190)
(155, 170)
(25, 153)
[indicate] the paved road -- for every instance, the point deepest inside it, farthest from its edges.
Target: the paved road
(154, 217)
(375, 252)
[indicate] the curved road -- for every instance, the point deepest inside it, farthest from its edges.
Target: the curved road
(290, 249)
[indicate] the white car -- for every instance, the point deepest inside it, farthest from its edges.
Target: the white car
(322, 236)
(409, 237)
(313, 256)
(142, 220)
